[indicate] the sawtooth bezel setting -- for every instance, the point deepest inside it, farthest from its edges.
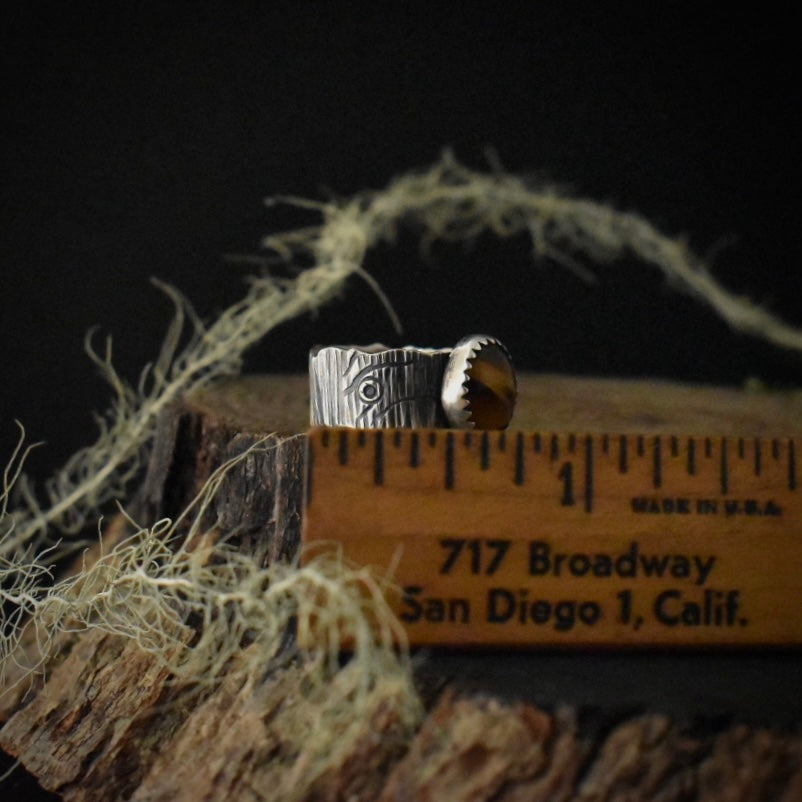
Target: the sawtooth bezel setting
(456, 391)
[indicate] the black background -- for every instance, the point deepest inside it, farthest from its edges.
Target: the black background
(141, 142)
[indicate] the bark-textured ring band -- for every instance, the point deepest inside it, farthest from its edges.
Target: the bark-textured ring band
(469, 386)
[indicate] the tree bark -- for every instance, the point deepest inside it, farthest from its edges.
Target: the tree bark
(111, 723)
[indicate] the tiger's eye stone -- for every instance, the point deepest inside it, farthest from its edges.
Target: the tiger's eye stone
(479, 386)
(490, 389)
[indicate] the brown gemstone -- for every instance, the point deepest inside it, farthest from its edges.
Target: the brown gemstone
(490, 388)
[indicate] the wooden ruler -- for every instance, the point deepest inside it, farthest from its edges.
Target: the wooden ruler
(519, 538)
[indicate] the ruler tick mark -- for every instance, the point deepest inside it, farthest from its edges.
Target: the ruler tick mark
(538, 444)
(484, 452)
(775, 448)
(791, 465)
(555, 448)
(378, 458)
(502, 442)
(361, 438)
(397, 438)
(342, 449)
(519, 458)
(708, 447)
(432, 439)
(725, 482)
(640, 445)
(571, 443)
(324, 438)
(622, 454)
(468, 439)
(758, 457)
(741, 448)
(414, 450)
(588, 473)
(691, 456)
(657, 462)
(674, 446)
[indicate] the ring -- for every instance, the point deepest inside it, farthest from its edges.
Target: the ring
(470, 386)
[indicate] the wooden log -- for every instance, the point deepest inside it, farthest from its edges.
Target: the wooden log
(479, 748)
(112, 724)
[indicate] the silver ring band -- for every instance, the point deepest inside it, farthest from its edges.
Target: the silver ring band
(470, 386)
